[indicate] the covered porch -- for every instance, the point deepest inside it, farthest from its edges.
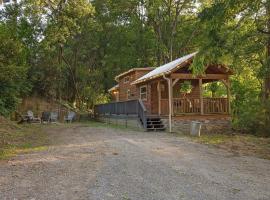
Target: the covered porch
(166, 97)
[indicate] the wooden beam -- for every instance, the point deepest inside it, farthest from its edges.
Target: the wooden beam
(225, 83)
(175, 81)
(201, 96)
(206, 76)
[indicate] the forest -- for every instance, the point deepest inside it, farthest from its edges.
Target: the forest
(71, 50)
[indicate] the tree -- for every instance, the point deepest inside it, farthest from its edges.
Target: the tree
(236, 33)
(174, 25)
(13, 70)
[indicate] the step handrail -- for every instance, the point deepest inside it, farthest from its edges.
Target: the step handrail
(142, 113)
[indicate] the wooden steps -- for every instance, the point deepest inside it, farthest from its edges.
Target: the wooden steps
(154, 124)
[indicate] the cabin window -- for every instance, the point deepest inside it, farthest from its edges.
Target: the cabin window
(162, 87)
(128, 94)
(143, 92)
(126, 79)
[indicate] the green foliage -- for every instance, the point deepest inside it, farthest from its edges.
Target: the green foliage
(13, 71)
(235, 33)
(186, 87)
(215, 89)
(254, 118)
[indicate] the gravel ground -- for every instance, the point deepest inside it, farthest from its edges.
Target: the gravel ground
(102, 163)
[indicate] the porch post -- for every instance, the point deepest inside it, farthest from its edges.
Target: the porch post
(159, 98)
(229, 96)
(201, 96)
(170, 103)
(169, 81)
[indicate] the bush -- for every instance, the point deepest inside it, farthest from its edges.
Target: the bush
(254, 118)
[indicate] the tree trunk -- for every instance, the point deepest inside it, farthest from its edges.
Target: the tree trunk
(266, 91)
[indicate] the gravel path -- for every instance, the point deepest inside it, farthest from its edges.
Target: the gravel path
(102, 163)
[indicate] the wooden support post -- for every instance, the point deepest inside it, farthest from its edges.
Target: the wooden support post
(201, 96)
(229, 96)
(228, 87)
(169, 81)
(159, 98)
(172, 107)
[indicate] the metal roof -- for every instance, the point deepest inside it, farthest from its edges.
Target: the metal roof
(165, 69)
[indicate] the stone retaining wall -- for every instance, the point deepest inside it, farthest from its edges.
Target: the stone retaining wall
(208, 125)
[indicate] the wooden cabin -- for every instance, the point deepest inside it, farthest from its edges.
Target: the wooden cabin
(159, 90)
(124, 90)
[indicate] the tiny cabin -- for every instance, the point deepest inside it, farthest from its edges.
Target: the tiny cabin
(171, 97)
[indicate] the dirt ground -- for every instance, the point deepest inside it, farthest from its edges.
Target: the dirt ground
(99, 163)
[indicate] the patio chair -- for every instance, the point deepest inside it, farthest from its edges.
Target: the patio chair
(70, 117)
(31, 118)
(45, 117)
(22, 118)
(53, 117)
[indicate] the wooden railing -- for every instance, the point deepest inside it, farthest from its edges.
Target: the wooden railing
(215, 105)
(118, 108)
(132, 107)
(193, 105)
(186, 105)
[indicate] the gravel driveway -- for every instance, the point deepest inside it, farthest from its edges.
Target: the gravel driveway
(85, 162)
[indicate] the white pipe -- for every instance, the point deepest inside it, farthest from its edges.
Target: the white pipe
(170, 101)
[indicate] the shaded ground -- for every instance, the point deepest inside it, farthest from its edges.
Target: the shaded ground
(85, 162)
(239, 144)
(16, 139)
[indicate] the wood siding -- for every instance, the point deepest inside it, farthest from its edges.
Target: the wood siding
(125, 86)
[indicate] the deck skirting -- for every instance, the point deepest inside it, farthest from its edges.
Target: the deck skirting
(121, 120)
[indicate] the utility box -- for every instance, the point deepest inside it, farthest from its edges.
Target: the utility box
(195, 128)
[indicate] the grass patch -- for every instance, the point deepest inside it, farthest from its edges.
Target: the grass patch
(16, 139)
(214, 139)
(240, 144)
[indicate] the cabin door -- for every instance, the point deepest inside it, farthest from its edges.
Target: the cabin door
(154, 99)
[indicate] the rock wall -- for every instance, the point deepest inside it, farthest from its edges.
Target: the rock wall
(209, 126)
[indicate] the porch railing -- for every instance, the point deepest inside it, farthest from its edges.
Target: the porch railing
(131, 107)
(186, 105)
(215, 105)
(193, 105)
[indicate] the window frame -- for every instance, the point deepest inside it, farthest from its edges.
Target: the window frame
(128, 94)
(145, 93)
(126, 79)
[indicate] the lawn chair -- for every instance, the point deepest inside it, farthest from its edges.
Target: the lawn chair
(31, 118)
(70, 117)
(53, 117)
(45, 117)
(23, 118)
